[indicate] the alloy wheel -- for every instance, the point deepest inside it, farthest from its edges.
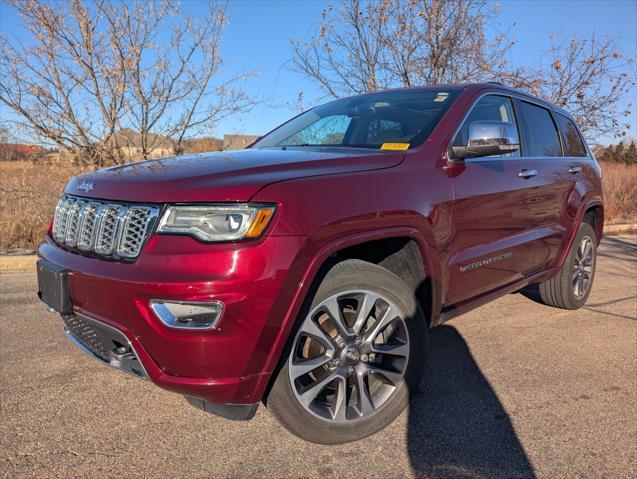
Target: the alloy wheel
(349, 356)
(583, 268)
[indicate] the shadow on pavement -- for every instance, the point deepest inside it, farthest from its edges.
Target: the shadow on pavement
(618, 248)
(457, 427)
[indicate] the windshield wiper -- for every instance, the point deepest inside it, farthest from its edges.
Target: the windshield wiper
(328, 145)
(285, 147)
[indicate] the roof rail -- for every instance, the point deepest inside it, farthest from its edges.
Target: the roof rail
(496, 83)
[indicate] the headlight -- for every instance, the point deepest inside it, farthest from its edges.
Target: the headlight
(217, 222)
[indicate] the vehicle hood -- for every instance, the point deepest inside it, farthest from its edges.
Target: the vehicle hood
(222, 176)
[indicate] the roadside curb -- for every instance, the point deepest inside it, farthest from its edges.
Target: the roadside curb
(611, 230)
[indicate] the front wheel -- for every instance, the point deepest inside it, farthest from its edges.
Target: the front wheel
(354, 359)
(570, 287)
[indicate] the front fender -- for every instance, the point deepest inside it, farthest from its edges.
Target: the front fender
(301, 278)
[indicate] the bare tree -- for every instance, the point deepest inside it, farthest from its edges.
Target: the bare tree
(94, 68)
(363, 47)
(345, 57)
(366, 46)
(588, 77)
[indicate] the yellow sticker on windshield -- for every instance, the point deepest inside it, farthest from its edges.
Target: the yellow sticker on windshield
(395, 146)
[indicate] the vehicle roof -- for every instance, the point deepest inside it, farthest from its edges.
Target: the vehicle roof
(493, 86)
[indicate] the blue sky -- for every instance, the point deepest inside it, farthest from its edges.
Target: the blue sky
(258, 38)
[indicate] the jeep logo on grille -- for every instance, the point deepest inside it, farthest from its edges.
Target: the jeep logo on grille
(86, 186)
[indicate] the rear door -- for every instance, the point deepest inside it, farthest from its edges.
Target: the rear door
(506, 208)
(550, 148)
(578, 169)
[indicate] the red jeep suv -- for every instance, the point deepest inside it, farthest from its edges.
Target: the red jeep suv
(304, 271)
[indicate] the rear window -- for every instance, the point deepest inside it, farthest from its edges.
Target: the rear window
(573, 143)
(543, 139)
(387, 120)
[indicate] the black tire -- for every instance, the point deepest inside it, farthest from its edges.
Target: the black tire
(282, 401)
(559, 291)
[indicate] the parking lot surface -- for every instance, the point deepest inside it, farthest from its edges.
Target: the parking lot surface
(515, 389)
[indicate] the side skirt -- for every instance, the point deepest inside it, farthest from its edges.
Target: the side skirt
(453, 310)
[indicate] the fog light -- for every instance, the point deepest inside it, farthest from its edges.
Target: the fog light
(187, 314)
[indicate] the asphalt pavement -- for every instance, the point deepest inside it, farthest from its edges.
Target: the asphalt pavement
(515, 389)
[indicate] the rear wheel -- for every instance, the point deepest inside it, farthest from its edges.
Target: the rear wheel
(570, 287)
(354, 358)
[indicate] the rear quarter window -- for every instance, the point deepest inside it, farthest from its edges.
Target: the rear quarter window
(571, 139)
(543, 139)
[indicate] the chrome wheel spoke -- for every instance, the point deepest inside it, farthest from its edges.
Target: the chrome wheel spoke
(313, 330)
(365, 405)
(364, 310)
(310, 394)
(394, 349)
(332, 308)
(381, 323)
(340, 404)
(588, 251)
(301, 368)
(393, 377)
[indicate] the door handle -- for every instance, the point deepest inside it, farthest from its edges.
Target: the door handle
(575, 170)
(527, 173)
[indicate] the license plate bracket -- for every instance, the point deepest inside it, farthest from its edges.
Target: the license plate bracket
(53, 286)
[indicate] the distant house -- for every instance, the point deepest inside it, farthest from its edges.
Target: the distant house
(129, 143)
(19, 151)
(237, 142)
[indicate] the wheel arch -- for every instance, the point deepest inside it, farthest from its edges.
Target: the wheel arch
(594, 215)
(397, 249)
(402, 256)
(591, 212)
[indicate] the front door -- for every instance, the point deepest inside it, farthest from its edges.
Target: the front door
(505, 212)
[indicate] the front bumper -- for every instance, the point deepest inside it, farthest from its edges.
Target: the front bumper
(220, 365)
(103, 342)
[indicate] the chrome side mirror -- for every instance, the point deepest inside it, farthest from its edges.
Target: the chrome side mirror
(488, 138)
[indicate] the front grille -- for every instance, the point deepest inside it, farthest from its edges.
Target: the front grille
(109, 229)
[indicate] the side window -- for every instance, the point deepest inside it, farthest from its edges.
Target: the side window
(488, 108)
(329, 130)
(543, 139)
(573, 144)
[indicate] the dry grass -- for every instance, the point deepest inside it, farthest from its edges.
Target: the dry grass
(29, 192)
(28, 195)
(620, 192)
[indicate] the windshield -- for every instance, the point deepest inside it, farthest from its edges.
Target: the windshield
(396, 120)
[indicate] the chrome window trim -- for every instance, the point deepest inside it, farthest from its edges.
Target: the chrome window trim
(520, 97)
(470, 110)
(579, 133)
